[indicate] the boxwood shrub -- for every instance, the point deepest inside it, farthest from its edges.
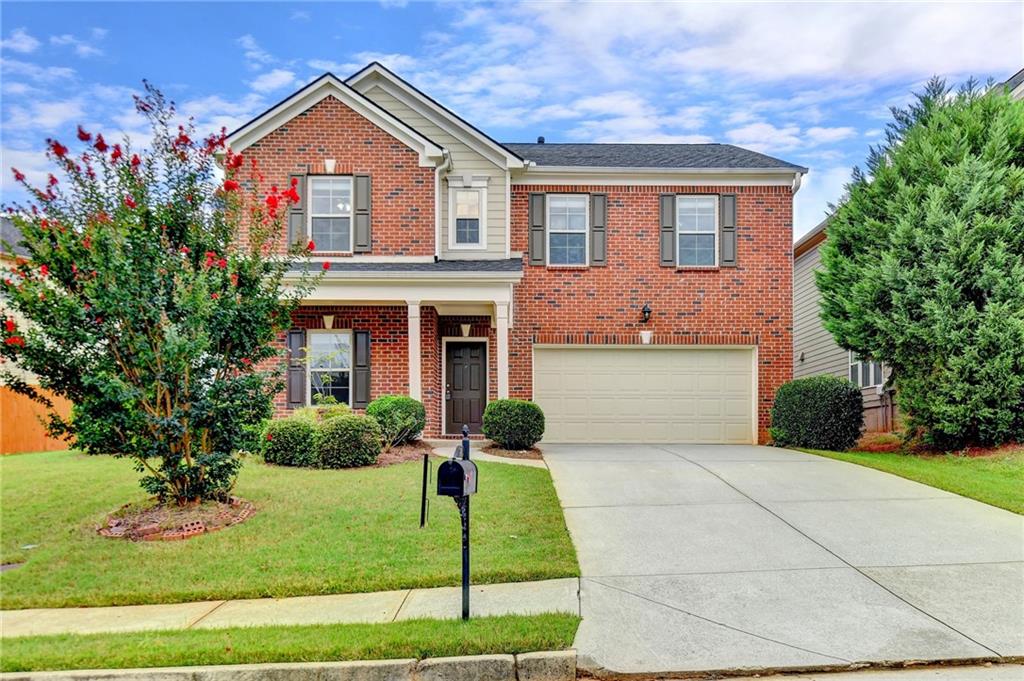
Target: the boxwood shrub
(820, 412)
(322, 412)
(348, 441)
(401, 418)
(514, 424)
(290, 442)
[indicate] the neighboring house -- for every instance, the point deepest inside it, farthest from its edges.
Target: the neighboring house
(524, 270)
(21, 427)
(815, 350)
(1016, 84)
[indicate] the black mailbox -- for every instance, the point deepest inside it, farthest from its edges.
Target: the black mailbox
(456, 478)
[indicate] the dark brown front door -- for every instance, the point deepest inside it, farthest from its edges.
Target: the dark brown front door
(465, 390)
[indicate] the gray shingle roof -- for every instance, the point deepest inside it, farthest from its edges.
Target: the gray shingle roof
(10, 235)
(683, 156)
(508, 265)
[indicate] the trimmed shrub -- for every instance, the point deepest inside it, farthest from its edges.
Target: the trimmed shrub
(290, 442)
(400, 418)
(348, 441)
(514, 424)
(321, 413)
(820, 412)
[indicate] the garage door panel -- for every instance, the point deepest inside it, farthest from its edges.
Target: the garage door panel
(645, 394)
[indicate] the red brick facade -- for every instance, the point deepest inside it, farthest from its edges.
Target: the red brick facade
(750, 304)
(402, 193)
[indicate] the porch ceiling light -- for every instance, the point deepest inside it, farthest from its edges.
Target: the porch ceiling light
(645, 313)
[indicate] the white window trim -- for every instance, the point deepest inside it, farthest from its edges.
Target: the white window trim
(548, 231)
(853, 361)
(715, 232)
(310, 179)
(482, 243)
(309, 361)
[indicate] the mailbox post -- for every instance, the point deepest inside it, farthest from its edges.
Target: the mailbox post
(457, 478)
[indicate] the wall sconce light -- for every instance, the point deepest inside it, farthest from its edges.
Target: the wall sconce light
(328, 321)
(329, 165)
(645, 313)
(465, 329)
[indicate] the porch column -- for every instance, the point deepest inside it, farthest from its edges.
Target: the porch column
(415, 341)
(501, 329)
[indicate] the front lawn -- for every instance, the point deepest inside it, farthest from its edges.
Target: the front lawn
(412, 639)
(997, 479)
(315, 532)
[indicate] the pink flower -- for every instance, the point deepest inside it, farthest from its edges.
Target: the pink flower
(291, 195)
(129, 201)
(311, 246)
(18, 175)
(234, 279)
(83, 135)
(270, 437)
(184, 250)
(116, 154)
(44, 270)
(326, 266)
(15, 340)
(52, 181)
(215, 296)
(100, 146)
(136, 160)
(222, 263)
(9, 325)
(58, 149)
(230, 186)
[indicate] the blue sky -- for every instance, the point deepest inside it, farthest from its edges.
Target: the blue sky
(809, 82)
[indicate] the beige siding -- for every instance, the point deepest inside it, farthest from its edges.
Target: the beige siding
(465, 162)
(821, 354)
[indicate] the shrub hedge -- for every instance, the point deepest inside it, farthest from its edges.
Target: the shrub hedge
(290, 442)
(320, 413)
(400, 418)
(514, 424)
(820, 412)
(348, 441)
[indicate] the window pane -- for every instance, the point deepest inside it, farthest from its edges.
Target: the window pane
(567, 249)
(854, 374)
(329, 383)
(332, 234)
(331, 195)
(876, 369)
(567, 213)
(467, 204)
(697, 250)
(467, 231)
(695, 214)
(865, 374)
(330, 351)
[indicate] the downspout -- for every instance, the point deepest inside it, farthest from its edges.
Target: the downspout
(441, 169)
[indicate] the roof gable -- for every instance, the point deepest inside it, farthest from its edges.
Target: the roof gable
(375, 74)
(328, 85)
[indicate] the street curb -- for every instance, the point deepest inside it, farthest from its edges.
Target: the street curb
(541, 666)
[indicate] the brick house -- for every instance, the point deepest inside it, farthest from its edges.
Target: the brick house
(637, 292)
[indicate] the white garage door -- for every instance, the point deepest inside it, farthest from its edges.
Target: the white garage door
(645, 394)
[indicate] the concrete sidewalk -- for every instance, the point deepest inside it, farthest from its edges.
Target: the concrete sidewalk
(522, 598)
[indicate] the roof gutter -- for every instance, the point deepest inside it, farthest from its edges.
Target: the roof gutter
(787, 170)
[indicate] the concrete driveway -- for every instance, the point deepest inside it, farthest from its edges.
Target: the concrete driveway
(703, 557)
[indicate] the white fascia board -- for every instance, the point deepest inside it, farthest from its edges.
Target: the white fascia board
(374, 75)
(364, 292)
(412, 277)
(541, 175)
(328, 86)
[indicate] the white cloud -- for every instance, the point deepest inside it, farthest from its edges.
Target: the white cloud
(765, 136)
(11, 67)
(44, 115)
(272, 80)
(818, 189)
(299, 15)
(819, 135)
(82, 48)
(254, 54)
(32, 163)
(20, 41)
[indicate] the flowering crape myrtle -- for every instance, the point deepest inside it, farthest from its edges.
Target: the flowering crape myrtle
(150, 292)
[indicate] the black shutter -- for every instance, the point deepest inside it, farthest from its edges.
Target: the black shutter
(296, 378)
(362, 240)
(598, 229)
(727, 230)
(537, 235)
(297, 213)
(361, 370)
(668, 230)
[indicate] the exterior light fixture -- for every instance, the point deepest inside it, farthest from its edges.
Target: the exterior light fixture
(645, 312)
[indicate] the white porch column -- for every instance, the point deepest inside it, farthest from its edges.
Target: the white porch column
(501, 329)
(415, 390)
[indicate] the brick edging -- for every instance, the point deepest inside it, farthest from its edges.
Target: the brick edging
(538, 666)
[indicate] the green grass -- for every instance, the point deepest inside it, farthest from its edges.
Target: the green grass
(315, 532)
(412, 639)
(997, 479)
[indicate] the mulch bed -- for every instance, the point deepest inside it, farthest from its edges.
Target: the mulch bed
(412, 451)
(169, 522)
(531, 453)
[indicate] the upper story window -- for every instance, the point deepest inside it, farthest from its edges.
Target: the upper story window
(697, 227)
(865, 374)
(330, 366)
(567, 219)
(330, 213)
(467, 226)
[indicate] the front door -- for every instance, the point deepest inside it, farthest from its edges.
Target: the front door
(465, 390)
